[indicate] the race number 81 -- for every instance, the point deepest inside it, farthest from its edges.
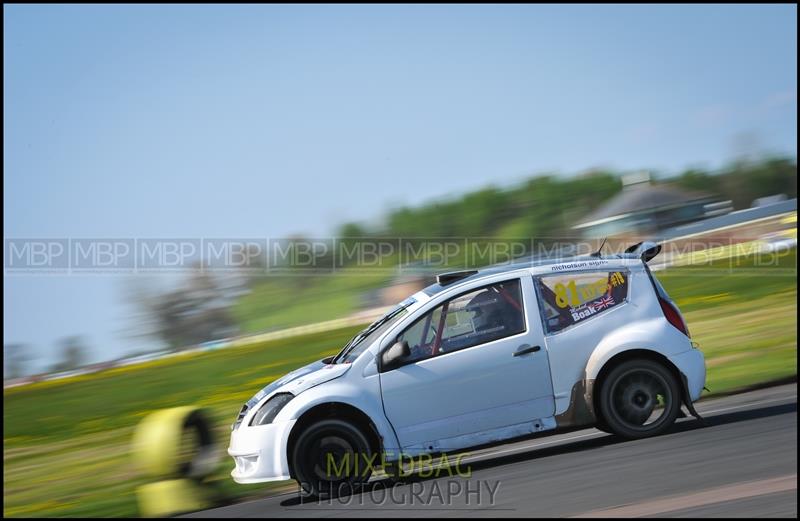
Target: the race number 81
(570, 296)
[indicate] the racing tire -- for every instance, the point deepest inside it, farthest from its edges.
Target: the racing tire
(331, 458)
(639, 399)
(601, 426)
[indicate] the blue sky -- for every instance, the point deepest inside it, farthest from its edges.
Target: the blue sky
(261, 121)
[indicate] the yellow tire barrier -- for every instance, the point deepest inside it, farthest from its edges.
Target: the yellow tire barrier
(175, 446)
(171, 497)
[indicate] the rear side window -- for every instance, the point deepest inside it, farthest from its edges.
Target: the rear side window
(571, 298)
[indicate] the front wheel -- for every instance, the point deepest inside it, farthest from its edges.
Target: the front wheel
(331, 458)
(639, 398)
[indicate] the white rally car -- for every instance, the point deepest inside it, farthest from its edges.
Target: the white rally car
(480, 357)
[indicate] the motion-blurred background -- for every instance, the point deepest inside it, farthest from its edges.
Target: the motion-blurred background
(355, 152)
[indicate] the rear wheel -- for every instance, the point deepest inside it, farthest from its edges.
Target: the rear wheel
(331, 458)
(639, 398)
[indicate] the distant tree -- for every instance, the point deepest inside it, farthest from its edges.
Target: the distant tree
(699, 180)
(771, 177)
(744, 181)
(73, 354)
(15, 360)
(195, 312)
(350, 230)
(547, 206)
(543, 206)
(256, 266)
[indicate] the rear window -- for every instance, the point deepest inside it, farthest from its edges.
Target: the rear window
(571, 298)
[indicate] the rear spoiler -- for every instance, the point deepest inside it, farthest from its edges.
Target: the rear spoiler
(645, 250)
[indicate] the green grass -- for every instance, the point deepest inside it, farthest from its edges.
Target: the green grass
(66, 442)
(728, 281)
(288, 301)
(743, 313)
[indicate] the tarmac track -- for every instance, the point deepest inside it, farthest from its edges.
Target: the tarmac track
(742, 463)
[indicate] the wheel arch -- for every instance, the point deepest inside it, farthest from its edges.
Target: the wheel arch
(594, 384)
(334, 410)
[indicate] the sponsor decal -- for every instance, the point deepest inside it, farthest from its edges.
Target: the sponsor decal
(587, 310)
(578, 265)
(574, 297)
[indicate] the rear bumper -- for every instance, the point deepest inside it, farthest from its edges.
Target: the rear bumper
(692, 364)
(260, 452)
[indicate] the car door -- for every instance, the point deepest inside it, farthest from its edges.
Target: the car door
(477, 365)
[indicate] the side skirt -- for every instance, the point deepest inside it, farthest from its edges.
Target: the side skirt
(489, 437)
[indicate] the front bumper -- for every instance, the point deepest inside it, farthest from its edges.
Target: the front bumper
(692, 364)
(260, 452)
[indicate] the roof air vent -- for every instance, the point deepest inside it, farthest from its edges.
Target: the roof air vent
(448, 278)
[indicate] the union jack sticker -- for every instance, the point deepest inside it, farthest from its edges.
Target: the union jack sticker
(604, 302)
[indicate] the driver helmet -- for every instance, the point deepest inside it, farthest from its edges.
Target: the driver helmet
(484, 307)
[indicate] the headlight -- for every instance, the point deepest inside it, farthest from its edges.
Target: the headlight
(271, 408)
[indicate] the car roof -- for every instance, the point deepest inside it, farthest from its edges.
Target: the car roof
(575, 262)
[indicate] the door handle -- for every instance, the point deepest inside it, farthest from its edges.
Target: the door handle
(525, 349)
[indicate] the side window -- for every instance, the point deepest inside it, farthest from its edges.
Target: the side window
(421, 335)
(570, 298)
(480, 316)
